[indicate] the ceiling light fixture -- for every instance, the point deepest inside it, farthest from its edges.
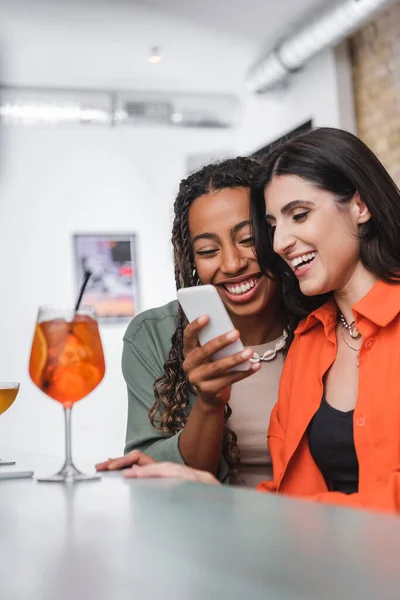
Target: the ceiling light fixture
(47, 106)
(154, 55)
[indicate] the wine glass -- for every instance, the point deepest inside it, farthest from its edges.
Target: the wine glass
(67, 363)
(8, 393)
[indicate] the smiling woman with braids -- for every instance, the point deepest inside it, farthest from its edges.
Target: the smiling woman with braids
(178, 400)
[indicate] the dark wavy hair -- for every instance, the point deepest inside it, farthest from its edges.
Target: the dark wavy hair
(340, 163)
(169, 412)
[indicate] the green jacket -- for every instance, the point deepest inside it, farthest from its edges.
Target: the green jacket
(147, 343)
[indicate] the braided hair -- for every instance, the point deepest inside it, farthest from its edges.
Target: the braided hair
(169, 412)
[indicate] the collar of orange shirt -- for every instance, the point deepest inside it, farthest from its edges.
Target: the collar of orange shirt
(380, 306)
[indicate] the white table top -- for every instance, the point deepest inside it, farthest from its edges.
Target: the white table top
(116, 539)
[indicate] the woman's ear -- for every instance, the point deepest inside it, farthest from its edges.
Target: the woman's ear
(361, 210)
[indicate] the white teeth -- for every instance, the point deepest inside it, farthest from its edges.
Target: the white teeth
(242, 287)
(300, 259)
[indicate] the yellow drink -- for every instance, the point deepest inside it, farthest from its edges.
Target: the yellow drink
(7, 396)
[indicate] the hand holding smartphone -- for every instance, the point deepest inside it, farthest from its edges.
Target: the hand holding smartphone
(205, 300)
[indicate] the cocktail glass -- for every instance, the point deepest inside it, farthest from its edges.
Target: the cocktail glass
(67, 363)
(8, 393)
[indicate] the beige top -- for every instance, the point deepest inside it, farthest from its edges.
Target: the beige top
(252, 401)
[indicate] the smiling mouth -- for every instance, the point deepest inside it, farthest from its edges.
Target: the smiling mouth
(238, 289)
(300, 262)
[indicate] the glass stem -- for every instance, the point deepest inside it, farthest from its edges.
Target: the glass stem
(68, 451)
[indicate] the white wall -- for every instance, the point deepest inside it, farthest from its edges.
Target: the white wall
(56, 182)
(310, 94)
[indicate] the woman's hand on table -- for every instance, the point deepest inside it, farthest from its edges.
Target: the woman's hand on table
(171, 471)
(138, 465)
(136, 457)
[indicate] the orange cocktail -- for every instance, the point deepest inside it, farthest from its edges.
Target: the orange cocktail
(67, 363)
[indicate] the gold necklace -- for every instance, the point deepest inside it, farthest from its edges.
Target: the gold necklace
(353, 333)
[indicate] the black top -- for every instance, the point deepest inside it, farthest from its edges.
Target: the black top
(331, 442)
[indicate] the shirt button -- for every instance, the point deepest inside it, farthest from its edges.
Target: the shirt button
(361, 421)
(368, 343)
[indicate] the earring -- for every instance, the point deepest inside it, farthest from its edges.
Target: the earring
(195, 276)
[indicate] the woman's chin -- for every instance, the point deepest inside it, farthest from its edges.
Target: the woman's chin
(313, 288)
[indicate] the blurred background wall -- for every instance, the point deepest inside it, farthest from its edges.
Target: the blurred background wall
(375, 55)
(58, 180)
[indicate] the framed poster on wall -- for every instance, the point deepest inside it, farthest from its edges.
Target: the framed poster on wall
(113, 287)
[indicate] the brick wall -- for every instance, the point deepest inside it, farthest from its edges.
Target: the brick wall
(375, 56)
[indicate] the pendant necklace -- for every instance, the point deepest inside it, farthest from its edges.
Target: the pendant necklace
(354, 334)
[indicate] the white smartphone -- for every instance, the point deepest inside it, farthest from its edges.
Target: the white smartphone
(205, 300)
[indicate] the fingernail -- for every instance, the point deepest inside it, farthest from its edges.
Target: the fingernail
(256, 366)
(232, 335)
(247, 353)
(201, 320)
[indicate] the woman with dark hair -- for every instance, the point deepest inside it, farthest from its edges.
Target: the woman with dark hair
(178, 400)
(332, 213)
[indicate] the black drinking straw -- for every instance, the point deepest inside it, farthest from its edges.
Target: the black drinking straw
(86, 278)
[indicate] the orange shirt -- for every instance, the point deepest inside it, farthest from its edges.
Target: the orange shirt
(377, 411)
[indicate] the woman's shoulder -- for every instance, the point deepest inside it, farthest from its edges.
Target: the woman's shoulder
(159, 322)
